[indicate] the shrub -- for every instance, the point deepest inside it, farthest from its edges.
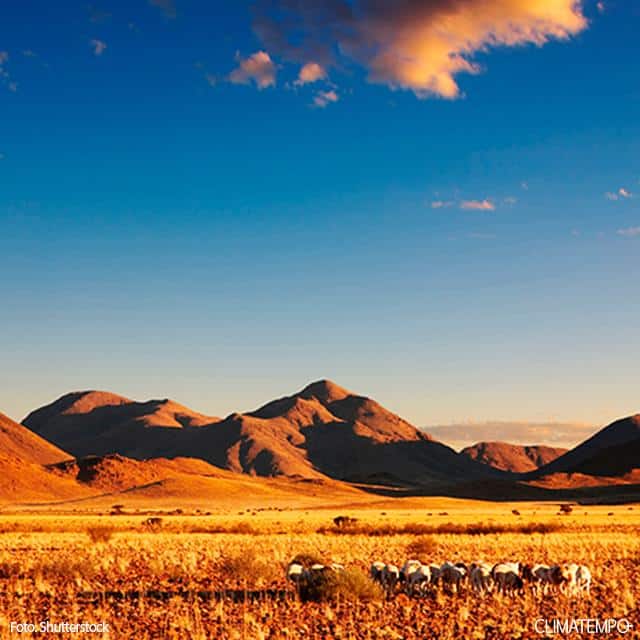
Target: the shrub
(472, 529)
(348, 584)
(307, 559)
(342, 522)
(247, 567)
(422, 548)
(153, 524)
(100, 534)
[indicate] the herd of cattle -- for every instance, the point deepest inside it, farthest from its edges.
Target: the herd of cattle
(416, 578)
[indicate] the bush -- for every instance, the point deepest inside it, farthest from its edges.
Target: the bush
(153, 524)
(307, 559)
(422, 548)
(343, 522)
(453, 528)
(246, 567)
(347, 584)
(100, 534)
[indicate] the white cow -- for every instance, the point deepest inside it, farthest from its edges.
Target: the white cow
(419, 579)
(390, 576)
(573, 579)
(452, 575)
(375, 571)
(506, 576)
(409, 567)
(480, 577)
(295, 572)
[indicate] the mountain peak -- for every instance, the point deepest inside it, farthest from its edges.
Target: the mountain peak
(325, 391)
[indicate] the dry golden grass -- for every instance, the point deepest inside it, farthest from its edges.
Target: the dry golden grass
(222, 575)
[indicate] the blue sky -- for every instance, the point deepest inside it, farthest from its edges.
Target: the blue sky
(170, 228)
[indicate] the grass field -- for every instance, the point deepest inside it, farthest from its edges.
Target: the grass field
(221, 573)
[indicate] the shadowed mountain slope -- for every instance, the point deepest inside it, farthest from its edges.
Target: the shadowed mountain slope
(612, 451)
(514, 458)
(19, 442)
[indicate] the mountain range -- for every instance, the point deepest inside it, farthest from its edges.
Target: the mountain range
(321, 431)
(320, 439)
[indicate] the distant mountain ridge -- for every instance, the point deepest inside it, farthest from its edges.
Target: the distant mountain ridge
(321, 431)
(512, 457)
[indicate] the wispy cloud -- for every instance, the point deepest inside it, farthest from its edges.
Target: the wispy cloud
(323, 99)
(258, 68)
(478, 205)
(601, 7)
(167, 7)
(98, 46)
(510, 200)
(442, 204)
(629, 232)
(5, 76)
(526, 433)
(620, 194)
(417, 45)
(311, 72)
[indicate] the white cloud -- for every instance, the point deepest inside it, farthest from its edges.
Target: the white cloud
(629, 232)
(258, 68)
(98, 46)
(620, 194)
(324, 98)
(442, 204)
(524, 433)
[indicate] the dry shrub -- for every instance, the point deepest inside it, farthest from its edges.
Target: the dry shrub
(246, 567)
(153, 524)
(100, 533)
(349, 584)
(422, 547)
(473, 529)
(9, 569)
(307, 559)
(239, 527)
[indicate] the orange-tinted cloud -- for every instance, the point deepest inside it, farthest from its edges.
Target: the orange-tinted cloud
(324, 98)
(311, 72)
(478, 205)
(421, 45)
(258, 68)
